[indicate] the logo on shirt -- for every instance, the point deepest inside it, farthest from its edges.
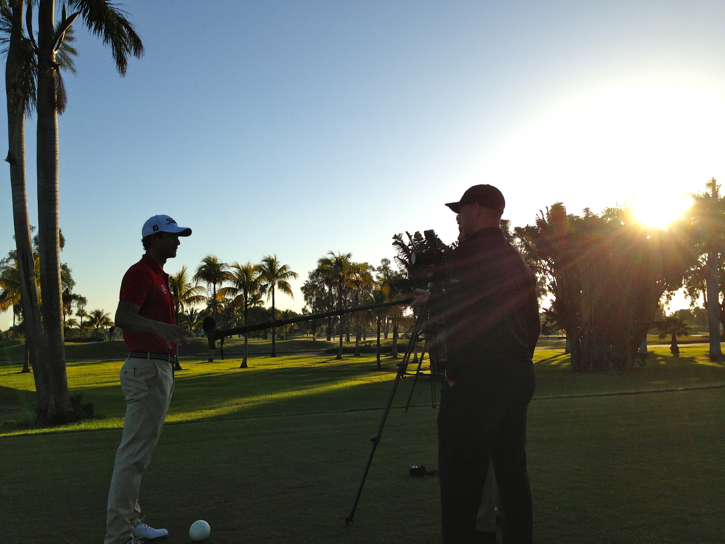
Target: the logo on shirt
(163, 289)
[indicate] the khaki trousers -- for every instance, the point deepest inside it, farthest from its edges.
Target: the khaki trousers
(147, 385)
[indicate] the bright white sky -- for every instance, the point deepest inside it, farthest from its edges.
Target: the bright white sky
(300, 127)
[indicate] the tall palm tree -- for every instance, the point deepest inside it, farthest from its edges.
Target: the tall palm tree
(361, 282)
(213, 272)
(99, 318)
(272, 276)
(184, 293)
(20, 85)
(337, 268)
(245, 288)
(380, 294)
(81, 312)
(103, 19)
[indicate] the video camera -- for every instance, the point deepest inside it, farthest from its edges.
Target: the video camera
(426, 260)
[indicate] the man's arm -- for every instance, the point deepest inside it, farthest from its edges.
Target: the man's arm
(128, 319)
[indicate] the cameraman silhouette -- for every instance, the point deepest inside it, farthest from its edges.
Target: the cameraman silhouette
(491, 318)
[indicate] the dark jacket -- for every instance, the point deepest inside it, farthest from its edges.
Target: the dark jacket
(490, 310)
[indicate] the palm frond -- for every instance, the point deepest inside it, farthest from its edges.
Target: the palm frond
(106, 20)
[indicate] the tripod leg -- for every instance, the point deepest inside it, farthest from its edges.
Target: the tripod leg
(375, 439)
(415, 379)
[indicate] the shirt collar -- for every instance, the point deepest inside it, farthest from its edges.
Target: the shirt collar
(489, 233)
(153, 265)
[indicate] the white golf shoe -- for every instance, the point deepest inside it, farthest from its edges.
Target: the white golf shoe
(148, 533)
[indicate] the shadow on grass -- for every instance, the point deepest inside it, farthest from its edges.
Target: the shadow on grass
(294, 385)
(206, 391)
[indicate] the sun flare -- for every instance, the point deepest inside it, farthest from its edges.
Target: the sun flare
(658, 210)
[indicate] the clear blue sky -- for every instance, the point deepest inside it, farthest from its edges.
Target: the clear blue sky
(301, 127)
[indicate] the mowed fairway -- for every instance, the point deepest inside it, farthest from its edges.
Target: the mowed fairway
(275, 453)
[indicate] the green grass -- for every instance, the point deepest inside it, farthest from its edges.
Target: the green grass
(275, 453)
(197, 348)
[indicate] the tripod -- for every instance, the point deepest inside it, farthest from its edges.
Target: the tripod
(402, 367)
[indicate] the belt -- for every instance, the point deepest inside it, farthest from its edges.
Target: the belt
(156, 356)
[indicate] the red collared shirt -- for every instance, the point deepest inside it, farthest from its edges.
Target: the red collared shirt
(147, 285)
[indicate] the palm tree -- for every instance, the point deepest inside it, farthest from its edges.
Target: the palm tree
(105, 20)
(380, 294)
(337, 269)
(273, 276)
(98, 319)
(20, 84)
(81, 313)
(69, 324)
(185, 294)
(361, 283)
(193, 319)
(673, 326)
(213, 272)
(245, 289)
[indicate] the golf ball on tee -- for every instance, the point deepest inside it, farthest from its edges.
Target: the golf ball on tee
(199, 530)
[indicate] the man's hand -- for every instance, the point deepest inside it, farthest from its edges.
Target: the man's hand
(128, 319)
(172, 333)
(421, 298)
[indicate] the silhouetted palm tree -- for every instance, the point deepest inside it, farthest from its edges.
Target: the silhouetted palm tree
(245, 288)
(105, 20)
(337, 269)
(21, 70)
(213, 272)
(380, 294)
(673, 326)
(185, 294)
(272, 276)
(99, 318)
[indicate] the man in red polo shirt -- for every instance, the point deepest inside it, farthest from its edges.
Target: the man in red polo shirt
(146, 315)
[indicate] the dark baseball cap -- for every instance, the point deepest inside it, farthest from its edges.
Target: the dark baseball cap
(485, 195)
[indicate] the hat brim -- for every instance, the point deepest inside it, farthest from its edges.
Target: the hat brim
(181, 231)
(455, 206)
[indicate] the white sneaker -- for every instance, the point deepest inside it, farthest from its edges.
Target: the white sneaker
(147, 532)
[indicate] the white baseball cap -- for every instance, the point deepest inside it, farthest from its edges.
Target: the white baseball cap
(163, 223)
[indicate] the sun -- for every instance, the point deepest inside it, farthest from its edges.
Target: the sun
(658, 211)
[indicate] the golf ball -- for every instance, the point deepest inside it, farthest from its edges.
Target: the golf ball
(199, 530)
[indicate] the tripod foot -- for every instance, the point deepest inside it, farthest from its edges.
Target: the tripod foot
(348, 520)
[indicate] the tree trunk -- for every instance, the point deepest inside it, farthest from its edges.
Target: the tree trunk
(713, 306)
(378, 350)
(23, 240)
(674, 348)
(246, 339)
(394, 349)
(339, 350)
(357, 340)
(274, 352)
(26, 361)
(58, 408)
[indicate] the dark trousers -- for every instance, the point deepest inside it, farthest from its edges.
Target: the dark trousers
(483, 418)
